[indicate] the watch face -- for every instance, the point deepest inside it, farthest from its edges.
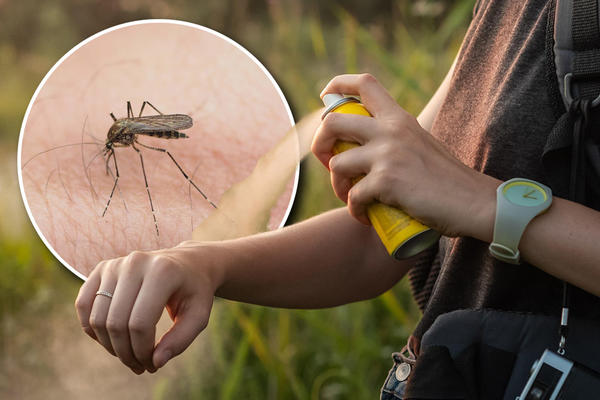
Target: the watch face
(526, 194)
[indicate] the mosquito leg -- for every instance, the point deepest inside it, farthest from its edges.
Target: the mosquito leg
(180, 169)
(142, 108)
(190, 197)
(129, 110)
(147, 189)
(119, 190)
(112, 153)
(150, 104)
(108, 170)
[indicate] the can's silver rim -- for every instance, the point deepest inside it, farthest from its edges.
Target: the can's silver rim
(338, 103)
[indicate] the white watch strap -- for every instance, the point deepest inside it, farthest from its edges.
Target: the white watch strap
(508, 229)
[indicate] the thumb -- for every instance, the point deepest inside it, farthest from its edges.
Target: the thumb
(188, 323)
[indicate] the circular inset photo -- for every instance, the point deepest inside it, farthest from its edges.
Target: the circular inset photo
(134, 137)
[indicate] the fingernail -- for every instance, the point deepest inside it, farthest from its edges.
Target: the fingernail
(163, 358)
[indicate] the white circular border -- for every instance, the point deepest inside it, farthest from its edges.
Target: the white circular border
(113, 28)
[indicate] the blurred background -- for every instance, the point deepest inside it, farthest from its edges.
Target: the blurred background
(247, 352)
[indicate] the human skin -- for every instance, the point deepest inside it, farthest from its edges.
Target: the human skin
(294, 267)
(238, 116)
(297, 267)
(408, 168)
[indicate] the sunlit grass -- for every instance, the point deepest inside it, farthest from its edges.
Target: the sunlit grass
(256, 352)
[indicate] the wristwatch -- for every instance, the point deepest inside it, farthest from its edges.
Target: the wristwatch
(518, 201)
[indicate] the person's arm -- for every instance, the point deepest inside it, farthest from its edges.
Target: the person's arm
(431, 109)
(408, 168)
(328, 260)
(562, 242)
(357, 265)
(325, 261)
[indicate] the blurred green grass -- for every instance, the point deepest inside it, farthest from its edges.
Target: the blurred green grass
(254, 352)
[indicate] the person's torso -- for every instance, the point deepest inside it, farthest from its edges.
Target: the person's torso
(495, 119)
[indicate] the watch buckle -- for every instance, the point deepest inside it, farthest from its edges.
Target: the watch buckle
(505, 254)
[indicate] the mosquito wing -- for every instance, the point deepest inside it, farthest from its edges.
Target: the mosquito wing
(159, 123)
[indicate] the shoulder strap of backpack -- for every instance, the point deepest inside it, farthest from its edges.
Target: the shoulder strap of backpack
(577, 50)
(577, 62)
(571, 156)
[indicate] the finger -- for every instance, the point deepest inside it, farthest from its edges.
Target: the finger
(347, 168)
(100, 307)
(360, 196)
(191, 319)
(155, 292)
(84, 302)
(117, 322)
(352, 128)
(374, 96)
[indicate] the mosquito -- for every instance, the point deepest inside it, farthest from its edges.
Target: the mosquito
(124, 132)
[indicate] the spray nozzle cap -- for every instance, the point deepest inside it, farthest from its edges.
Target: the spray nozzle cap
(331, 98)
(334, 100)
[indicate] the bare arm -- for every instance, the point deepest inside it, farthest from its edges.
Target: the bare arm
(407, 167)
(566, 235)
(563, 241)
(430, 110)
(328, 260)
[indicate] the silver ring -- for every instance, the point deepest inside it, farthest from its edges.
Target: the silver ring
(104, 293)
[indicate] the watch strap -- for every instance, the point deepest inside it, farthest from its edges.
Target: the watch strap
(508, 229)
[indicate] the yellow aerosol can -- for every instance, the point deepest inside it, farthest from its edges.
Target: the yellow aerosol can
(402, 235)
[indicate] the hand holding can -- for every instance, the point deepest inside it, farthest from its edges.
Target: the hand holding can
(402, 235)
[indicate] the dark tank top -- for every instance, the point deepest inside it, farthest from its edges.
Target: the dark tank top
(499, 109)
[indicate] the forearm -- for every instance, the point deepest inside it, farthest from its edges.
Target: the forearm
(328, 260)
(562, 242)
(325, 261)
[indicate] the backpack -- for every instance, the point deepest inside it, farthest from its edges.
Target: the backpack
(571, 157)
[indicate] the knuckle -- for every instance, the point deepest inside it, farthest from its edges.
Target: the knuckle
(330, 121)
(354, 196)
(114, 326)
(137, 326)
(164, 266)
(97, 323)
(334, 164)
(81, 304)
(135, 257)
(366, 79)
